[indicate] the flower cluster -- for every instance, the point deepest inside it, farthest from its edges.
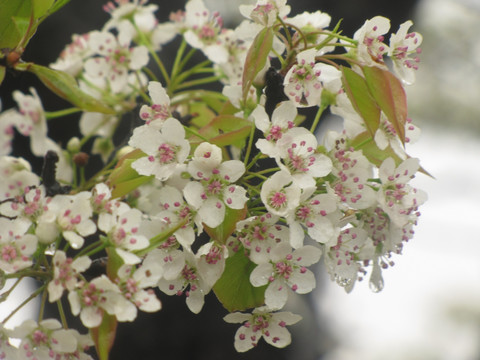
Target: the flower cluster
(243, 167)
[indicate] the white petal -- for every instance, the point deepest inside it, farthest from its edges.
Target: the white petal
(276, 294)
(261, 275)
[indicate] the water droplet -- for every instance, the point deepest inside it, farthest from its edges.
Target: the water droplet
(376, 279)
(342, 281)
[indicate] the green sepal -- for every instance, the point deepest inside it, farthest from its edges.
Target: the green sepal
(234, 289)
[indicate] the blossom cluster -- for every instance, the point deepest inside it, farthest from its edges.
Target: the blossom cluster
(238, 166)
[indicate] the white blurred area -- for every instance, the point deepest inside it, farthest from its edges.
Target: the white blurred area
(430, 306)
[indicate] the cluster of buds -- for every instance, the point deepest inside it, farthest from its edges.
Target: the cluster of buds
(240, 166)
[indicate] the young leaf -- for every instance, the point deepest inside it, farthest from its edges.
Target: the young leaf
(65, 86)
(256, 58)
(364, 104)
(234, 289)
(390, 95)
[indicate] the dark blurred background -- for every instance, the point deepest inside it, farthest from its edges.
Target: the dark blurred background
(174, 332)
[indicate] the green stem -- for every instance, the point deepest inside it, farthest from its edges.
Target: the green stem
(56, 114)
(249, 147)
(42, 305)
(196, 82)
(26, 301)
(321, 108)
(195, 133)
(63, 318)
(254, 161)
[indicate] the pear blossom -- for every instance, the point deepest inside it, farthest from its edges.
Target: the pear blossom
(262, 323)
(300, 157)
(133, 283)
(397, 198)
(311, 23)
(282, 119)
(18, 178)
(404, 50)
(265, 12)
(16, 246)
(204, 31)
(73, 56)
(371, 47)
(214, 189)
(352, 171)
(286, 269)
(7, 349)
(69, 215)
(169, 257)
(305, 81)
(65, 273)
(6, 131)
(114, 60)
(190, 281)
(259, 234)
(316, 214)
(160, 108)
(211, 261)
(44, 340)
(165, 149)
(94, 123)
(121, 227)
(386, 135)
(137, 11)
(90, 300)
(340, 257)
(280, 194)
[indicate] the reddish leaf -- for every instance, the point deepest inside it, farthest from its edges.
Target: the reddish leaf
(390, 95)
(104, 335)
(256, 58)
(364, 104)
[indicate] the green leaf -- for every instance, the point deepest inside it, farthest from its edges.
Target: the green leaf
(234, 289)
(390, 95)
(11, 34)
(65, 86)
(41, 7)
(223, 231)
(104, 335)
(226, 130)
(364, 104)
(256, 58)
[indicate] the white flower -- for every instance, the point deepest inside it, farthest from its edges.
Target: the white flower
(45, 340)
(72, 57)
(265, 12)
(286, 269)
(282, 119)
(299, 156)
(135, 11)
(387, 135)
(16, 246)
(30, 121)
(165, 149)
(65, 273)
(311, 24)
(262, 323)
(6, 131)
(122, 229)
(160, 108)
(398, 199)
(189, 282)
(133, 283)
(69, 215)
(114, 61)
(214, 189)
(352, 171)
(259, 234)
(404, 45)
(315, 214)
(280, 194)
(94, 123)
(340, 258)
(203, 31)
(211, 261)
(304, 82)
(100, 294)
(371, 47)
